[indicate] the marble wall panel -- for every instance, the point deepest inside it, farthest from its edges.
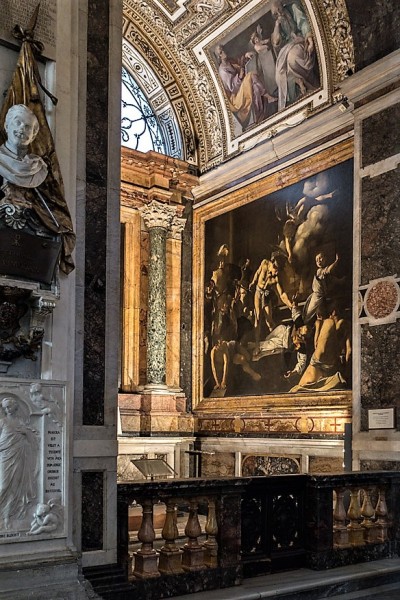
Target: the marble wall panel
(92, 510)
(375, 26)
(173, 300)
(381, 135)
(186, 307)
(380, 379)
(96, 213)
(220, 464)
(324, 464)
(380, 226)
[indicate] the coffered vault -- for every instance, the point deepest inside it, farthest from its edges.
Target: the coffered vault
(178, 41)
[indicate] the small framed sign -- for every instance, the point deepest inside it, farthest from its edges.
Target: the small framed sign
(381, 418)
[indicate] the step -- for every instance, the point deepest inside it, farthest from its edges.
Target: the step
(305, 584)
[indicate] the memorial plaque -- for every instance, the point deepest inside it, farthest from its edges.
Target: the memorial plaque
(19, 12)
(381, 418)
(28, 256)
(33, 503)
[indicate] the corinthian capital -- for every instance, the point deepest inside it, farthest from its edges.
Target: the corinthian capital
(177, 226)
(157, 214)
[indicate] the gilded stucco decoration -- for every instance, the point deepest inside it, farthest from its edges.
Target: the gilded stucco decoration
(179, 41)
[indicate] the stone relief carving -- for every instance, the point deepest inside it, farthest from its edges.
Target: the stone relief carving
(47, 518)
(342, 40)
(31, 459)
(19, 451)
(23, 310)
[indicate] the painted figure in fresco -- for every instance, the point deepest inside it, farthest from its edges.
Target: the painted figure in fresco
(246, 93)
(332, 353)
(242, 296)
(295, 52)
(267, 289)
(288, 339)
(18, 463)
(265, 61)
(223, 355)
(315, 192)
(322, 286)
(309, 225)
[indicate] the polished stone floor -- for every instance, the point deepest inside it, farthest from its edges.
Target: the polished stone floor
(316, 585)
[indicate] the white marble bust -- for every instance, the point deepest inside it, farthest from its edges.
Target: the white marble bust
(17, 165)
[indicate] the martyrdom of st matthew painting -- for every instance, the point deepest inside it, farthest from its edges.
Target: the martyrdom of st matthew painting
(277, 291)
(268, 65)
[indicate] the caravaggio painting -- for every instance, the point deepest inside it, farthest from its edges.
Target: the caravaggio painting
(278, 289)
(267, 65)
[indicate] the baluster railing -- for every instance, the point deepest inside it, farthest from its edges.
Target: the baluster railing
(146, 557)
(381, 514)
(356, 532)
(211, 529)
(170, 555)
(193, 551)
(331, 538)
(340, 531)
(368, 512)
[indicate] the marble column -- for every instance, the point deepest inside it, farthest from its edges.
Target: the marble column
(158, 218)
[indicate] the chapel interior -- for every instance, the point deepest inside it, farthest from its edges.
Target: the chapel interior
(199, 295)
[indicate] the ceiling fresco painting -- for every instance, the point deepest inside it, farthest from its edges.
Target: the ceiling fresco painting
(237, 72)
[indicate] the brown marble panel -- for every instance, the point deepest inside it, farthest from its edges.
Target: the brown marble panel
(380, 379)
(375, 26)
(325, 464)
(381, 135)
(92, 510)
(186, 307)
(221, 464)
(380, 226)
(96, 213)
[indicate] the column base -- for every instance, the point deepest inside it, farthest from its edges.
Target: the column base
(150, 413)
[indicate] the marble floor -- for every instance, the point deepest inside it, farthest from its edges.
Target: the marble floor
(316, 585)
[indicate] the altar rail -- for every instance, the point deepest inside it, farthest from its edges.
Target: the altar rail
(252, 526)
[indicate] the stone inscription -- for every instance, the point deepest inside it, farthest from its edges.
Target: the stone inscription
(19, 12)
(53, 483)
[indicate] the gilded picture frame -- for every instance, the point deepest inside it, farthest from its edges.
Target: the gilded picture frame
(254, 222)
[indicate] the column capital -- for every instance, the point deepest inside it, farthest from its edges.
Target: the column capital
(157, 214)
(177, 226)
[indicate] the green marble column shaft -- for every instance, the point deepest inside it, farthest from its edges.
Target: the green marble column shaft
(156, 316)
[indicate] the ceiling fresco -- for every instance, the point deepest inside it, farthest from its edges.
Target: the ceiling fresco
(237, 72)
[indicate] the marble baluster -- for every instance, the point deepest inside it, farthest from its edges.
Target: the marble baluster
(381, 514)
(211, 529)
(146, 557)
(157, 217)
(340, 531)
(368, 512)
(170, 554)
(193, 551)
(356, 532)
